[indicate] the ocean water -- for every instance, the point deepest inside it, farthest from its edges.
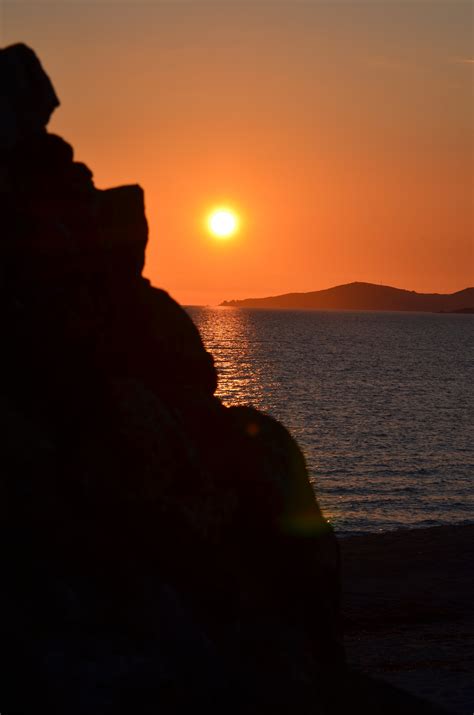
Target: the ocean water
(382, 405)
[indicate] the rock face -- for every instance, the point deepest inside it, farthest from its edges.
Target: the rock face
(158, 549)
(27, 97)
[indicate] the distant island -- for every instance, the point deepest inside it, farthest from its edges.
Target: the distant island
(365, 296)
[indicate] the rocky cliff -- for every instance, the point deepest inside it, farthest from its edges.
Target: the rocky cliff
(158, 550)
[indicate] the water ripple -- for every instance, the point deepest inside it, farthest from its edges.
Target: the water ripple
(381, 404)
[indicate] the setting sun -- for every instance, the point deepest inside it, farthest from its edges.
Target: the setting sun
(223, 223)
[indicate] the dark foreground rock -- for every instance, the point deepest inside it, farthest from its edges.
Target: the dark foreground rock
(158, 551)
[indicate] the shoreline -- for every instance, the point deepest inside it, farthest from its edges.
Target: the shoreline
(343, 536)
(407, 610)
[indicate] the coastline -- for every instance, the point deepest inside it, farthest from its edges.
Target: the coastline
(407, 611)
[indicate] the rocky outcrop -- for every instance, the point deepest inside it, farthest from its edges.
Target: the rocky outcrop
(27, 97)
(158, 550)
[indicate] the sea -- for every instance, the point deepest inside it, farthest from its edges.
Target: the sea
(381, 403)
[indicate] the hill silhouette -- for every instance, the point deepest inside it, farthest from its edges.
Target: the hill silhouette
(364, 296)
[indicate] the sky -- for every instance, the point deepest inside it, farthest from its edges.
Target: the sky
(340, 132)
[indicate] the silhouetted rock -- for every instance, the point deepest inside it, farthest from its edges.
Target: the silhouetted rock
(27, 97)
(159, 551)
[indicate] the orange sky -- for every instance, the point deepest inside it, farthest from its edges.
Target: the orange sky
(341, 131)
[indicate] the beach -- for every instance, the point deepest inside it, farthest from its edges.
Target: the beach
(407, 611)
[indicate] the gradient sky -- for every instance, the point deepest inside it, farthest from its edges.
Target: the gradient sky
(340, 131)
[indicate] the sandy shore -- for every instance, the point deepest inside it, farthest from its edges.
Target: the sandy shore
(408, 611)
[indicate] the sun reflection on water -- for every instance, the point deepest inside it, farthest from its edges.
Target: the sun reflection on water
(229, 336)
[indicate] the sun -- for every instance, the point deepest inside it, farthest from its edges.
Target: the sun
(223, 222)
